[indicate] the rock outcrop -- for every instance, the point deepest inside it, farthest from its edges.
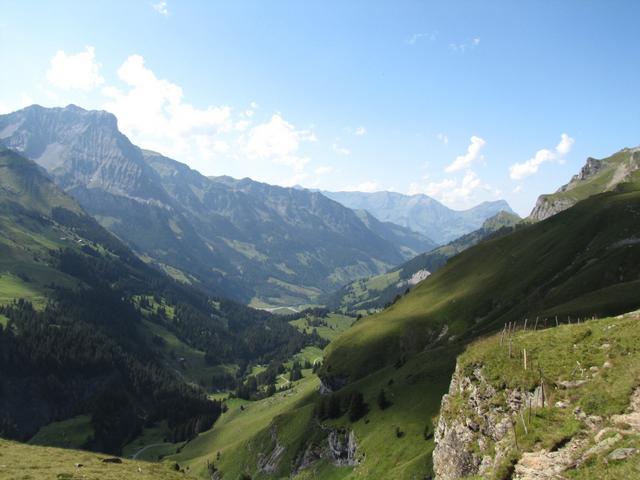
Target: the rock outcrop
(474, 435)
(340, 448)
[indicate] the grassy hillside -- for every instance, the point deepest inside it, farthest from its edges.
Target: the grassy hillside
(20, 461)
(374, 293)
(582, 262)
(88, 331)
(590, 373)
(597, 176)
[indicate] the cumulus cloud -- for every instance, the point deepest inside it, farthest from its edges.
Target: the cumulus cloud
(278, 141)
(519, 171)
(360, 131)
(473, 153)
(78, 71)
(162, 8)
(456, 192)
(153, 113)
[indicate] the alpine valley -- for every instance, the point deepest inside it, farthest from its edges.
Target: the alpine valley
(209, 327)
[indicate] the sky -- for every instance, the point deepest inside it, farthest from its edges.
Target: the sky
(465, 101)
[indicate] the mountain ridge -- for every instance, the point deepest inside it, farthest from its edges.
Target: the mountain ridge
(220, 234)
(421, 213)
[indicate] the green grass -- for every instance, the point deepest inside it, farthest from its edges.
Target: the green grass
(21, 461)
(237, 426)
(3, 321)
(12, 287)
(151, 445)
(332, 325)
(537, 270)
(71, 433)
(555, 355)
(414, 389)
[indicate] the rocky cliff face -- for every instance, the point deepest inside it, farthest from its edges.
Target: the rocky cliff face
(340, 448)
(475, 438)
(596, 176)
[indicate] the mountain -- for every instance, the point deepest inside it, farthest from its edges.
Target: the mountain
(596, 176)
(421, 213)
(377, 411)
(237, 238)
(580, 262)
(90, 332)
(376, 292)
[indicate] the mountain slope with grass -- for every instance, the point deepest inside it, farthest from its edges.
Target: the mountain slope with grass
(374, 293)
(383, 379)
(237, 238)
(596, 176)
(581, 262)
(421, 213)
(91, 333)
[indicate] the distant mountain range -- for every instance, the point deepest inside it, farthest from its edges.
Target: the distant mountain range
(373, 293)
(421, 213)
(238, 238)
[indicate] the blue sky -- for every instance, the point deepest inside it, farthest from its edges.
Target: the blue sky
(465, 101)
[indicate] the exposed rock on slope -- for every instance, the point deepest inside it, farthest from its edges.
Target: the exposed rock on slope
(575, 409)
(596, 176)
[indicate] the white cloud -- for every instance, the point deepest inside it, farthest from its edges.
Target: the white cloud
(519, 171)
(465, 46)
(473, 153)
(341, 150)
(368, 186)
(456, 192)
(360, 131)
(278, 141)
(162, 8)
(80, 71)
(518, 189)
(153, 113)
(413, 39)
(443, 138)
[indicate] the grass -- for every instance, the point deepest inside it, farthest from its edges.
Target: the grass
(414, 389)
(12, 287)
(556, 355)
(71, 433)
(238, 426)
(151, 445)
(531, 272)
(331, 326)
(28, 462)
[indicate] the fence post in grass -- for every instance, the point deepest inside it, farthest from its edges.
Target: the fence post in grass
(515, 434)
(524, 354)
(557, 320)
(542, 386)
(535, 327)
(524, 425)
(525, 325)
